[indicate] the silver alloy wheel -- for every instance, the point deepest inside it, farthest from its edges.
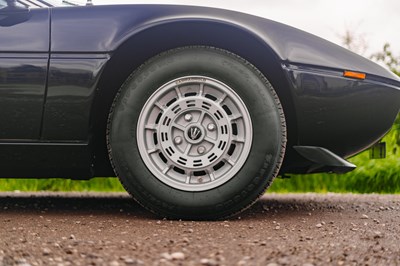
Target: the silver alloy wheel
(194, 133)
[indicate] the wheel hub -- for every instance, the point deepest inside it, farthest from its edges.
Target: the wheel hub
(194, 133)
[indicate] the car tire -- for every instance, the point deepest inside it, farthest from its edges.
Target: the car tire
(173, 126)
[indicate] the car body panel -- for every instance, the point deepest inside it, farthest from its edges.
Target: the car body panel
(43, 159)
(27, 35)
(71, 88)
(119, 23)
(24, 52)
(21, 99)
(91, 49)
(344, 115)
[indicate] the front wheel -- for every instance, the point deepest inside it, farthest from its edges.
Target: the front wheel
(196, 133)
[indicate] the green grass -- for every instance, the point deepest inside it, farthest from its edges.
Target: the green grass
(57, 184)
(371, 176)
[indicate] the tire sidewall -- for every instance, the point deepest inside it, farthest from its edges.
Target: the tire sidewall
(260, 166)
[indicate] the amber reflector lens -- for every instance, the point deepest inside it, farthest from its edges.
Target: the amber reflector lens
(356, 75)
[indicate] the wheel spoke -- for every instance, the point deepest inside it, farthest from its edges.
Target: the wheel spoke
(211, 175)
(156, 149)
(188, 177)
(201, 118)
(239, 140)
(201, 90)
(166, 169)
(233, 118)
(229, 161)
(210, 140)
(178, 92)
(177, 126)
(222, 98)
(188, 147)
(151, 126)
(160, 106)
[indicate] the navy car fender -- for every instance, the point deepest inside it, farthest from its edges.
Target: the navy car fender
(160, 37)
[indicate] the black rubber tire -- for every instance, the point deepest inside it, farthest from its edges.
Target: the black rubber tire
(263, 162)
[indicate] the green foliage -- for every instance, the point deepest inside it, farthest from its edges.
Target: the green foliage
(56, 184)
(393, 63)
(388, 58)
(371, 175)
(354, 41)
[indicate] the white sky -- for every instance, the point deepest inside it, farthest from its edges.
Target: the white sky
(377, 21)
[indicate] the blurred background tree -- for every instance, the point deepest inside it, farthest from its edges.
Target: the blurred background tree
(392, 61)
(353, 41)
(388, 58)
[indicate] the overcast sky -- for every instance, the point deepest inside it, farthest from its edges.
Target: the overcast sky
(376, 21)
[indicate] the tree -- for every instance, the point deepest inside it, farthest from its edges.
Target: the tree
(393, 63)
(354, 42)
(388, 58)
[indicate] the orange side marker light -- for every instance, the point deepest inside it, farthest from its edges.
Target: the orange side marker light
(352, 74)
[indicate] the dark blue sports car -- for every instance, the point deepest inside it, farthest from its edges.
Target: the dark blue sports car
(195, 109)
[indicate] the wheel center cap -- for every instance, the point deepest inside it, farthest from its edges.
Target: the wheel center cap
(194, 134)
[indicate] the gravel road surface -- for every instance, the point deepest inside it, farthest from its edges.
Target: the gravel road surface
(280, 229)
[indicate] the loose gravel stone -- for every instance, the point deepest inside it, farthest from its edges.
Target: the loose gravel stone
(378, 234)
(114, 263)
(178, 256)
(166, 256)
(46, 251)
(91, 230)
(208, 262)
(364, 216)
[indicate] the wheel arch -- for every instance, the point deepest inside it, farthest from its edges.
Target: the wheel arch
(144, 44)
